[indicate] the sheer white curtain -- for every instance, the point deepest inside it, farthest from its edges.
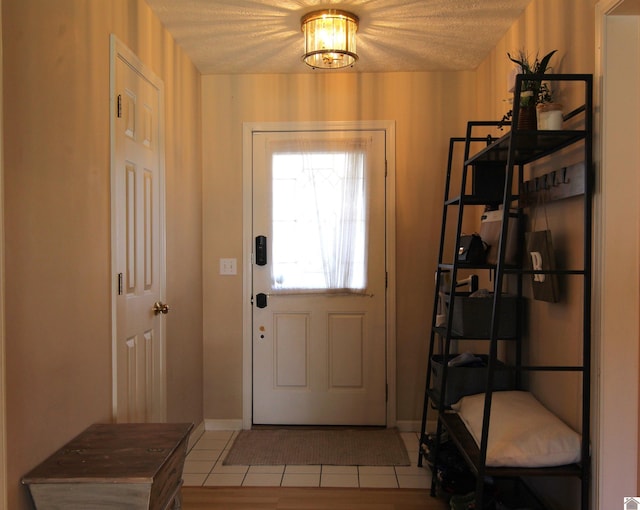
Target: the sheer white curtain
(319, 202)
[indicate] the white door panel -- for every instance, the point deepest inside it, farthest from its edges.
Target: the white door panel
(346, 350)
(318, 356)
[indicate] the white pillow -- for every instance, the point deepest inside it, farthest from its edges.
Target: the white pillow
(522, 432)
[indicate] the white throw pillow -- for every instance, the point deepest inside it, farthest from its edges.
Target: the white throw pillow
(522, 432)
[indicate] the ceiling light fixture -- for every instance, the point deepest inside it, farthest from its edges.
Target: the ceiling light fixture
(329, 39)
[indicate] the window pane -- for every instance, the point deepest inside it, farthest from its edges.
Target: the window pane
(319, 221)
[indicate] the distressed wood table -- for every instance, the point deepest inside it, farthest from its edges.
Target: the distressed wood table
(125, 466)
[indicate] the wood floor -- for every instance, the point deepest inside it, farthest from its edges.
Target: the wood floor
(285, 498)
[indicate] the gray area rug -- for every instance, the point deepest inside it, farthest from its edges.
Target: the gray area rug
(338, 447)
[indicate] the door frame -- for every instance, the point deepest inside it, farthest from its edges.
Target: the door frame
(118, 50)
(615, 389)
(248, 129)
(3, 389)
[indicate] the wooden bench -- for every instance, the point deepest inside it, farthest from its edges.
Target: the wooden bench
(126, 466)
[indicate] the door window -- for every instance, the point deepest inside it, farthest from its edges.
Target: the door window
(319, 220)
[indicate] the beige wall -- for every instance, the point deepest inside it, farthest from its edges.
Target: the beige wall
(428, 108)
(566, 26)
(57, 214)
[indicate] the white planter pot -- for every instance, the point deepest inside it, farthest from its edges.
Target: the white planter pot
(549, 116)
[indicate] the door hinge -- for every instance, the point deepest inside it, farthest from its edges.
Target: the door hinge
(119, 284)
(386, 393)
(119, 106)
(385, 168)
(386, 280)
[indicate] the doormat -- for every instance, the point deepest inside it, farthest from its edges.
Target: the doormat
(337, 447)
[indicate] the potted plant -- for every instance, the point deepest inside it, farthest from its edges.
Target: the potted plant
(533, 92)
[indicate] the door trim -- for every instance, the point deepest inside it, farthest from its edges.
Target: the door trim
(3, 386)
(248, 129)
(119, 50)
(614, 474)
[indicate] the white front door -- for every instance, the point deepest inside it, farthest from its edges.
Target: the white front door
(139, 385)
(319, 318)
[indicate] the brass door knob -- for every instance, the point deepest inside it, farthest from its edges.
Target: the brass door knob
(159, 307)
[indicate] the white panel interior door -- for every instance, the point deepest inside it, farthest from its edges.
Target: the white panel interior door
(138, 243)
(318, 355)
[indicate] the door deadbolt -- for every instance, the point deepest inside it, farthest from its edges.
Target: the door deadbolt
(261, 300)
(159, 307)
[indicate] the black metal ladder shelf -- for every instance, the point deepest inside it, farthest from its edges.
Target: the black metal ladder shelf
(507, 156)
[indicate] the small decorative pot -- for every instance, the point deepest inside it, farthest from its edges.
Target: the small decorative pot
(527, 117)
(549, 116)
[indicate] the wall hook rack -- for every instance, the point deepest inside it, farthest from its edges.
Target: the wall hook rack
(557, 185)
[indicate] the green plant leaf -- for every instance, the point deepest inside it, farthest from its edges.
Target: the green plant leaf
(528, 67)
(524, 67)
(542, 67)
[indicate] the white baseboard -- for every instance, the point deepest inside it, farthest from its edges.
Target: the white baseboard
(408, 425)
(215, 424)
(414, 426)
(212, 424)
(196, 433)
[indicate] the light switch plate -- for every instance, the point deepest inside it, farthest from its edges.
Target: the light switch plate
(228, 266)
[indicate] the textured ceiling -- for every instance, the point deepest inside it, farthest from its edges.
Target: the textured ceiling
(256, 36)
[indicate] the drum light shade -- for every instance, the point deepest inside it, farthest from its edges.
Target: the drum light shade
(329, 39)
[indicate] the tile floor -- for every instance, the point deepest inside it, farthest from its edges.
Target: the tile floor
(203, 467)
